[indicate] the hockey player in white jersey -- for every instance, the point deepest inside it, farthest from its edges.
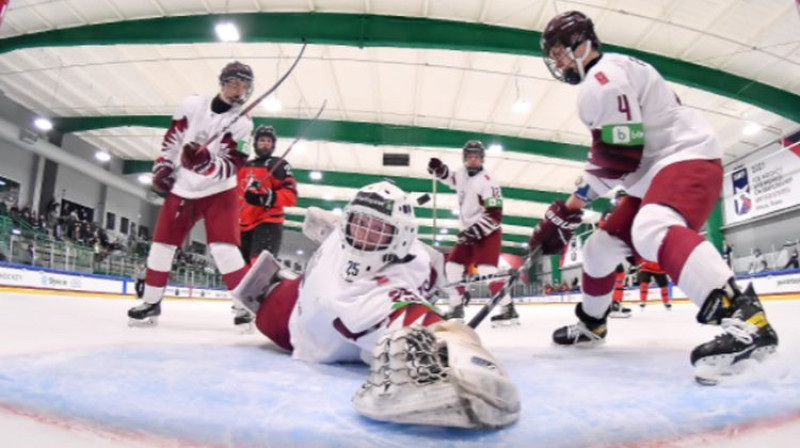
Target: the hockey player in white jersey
(668, 160)
(480, 205)
(361, 298)
(199, 182)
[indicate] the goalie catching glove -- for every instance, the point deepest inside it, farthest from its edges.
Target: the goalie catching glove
(556, 229)
(438, 375)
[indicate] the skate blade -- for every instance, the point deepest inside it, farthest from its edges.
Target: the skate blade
(505, 323)
(718, 369)
(247, 328)
(143, 323)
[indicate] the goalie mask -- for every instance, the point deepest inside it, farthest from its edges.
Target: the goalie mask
(473, 147)
(562, 36)
(378, 229)
(239, 77)
(264, 131)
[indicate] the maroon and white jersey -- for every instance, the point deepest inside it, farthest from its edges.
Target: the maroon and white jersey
(196, 122)
(336, 320)
(638, 125)
(476, 194)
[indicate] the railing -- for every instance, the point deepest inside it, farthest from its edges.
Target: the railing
(16, 240)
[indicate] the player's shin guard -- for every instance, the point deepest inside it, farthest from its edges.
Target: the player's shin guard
(747, 334)
(439, 375)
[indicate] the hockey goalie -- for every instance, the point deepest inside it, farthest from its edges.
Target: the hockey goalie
(361, 298)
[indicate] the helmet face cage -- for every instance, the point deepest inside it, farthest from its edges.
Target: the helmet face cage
(367, 232)
(378, 228)
(243, 72)
(567, 30)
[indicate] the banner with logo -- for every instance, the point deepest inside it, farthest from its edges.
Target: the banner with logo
(764, 182)
(573, 254)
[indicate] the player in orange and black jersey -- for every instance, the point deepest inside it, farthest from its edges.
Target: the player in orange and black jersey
(266, 186)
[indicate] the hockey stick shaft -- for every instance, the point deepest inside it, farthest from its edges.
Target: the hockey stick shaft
(300, 135)
(498, 296)
(478, 278)
(258, 100)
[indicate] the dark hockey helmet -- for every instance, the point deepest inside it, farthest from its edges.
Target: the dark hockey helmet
(568, 29)
(238, 70)
(473, 147)
(264, 131)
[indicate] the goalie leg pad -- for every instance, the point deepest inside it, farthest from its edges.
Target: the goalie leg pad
(254, 285)
(439, 375)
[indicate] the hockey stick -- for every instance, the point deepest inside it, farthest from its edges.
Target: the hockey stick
(258, 100)
(479, 278)
(497, 297)
(300, 135)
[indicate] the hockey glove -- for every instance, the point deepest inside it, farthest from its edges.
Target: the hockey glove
(195, 157)
(468, 236)
(264, 198)
(163, 176)
(437, 168)
(556, 229)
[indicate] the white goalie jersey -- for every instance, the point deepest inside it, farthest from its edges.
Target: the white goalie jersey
(336, 320)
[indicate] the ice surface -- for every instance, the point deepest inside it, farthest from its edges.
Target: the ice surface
(73, 374)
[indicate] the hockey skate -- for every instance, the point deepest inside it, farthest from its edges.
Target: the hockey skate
(668, 306)
(642, 305)
(242, 319)
(144, 315)
(507, 317)
(587, 332)
(618, 311)
(456, 313)
(747, 335)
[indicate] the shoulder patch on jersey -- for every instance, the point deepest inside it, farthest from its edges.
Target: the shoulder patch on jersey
(601, 78)
(631, 134)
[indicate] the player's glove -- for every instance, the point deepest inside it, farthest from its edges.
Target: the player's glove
(470, 235)
(437, 168)
(260, 198)
(195, 157)
(556, 229)
(163, 176)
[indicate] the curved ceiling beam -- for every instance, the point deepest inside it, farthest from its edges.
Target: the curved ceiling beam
(364, 30)
(351, 132)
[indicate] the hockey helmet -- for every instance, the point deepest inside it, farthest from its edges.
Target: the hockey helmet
(238, 70)
(568, 30)
(264, 131)
(473, 147)
(378, 228)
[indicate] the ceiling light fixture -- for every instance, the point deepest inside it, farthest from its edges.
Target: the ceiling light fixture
(315, 175)
(227, 32)
(43, 124)
(751, 129)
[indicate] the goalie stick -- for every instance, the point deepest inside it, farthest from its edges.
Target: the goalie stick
(497, 297)
(467, 281)
(300, 135)
(258, 100)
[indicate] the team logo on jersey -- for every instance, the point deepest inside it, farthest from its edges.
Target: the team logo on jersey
(742, 203)
(623, 134)
(601, 78)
